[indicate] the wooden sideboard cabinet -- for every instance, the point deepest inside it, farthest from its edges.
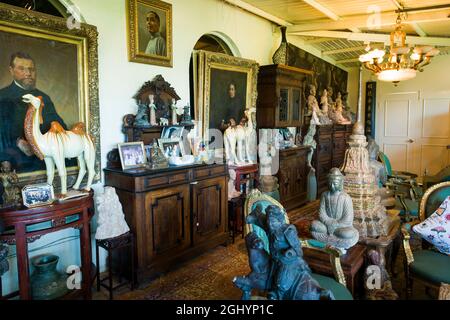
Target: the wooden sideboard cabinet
(175, 213)
(292, 177)
(330, 151)
(280, 96)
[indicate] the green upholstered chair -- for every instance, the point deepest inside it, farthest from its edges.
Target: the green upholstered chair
(338, 288)
(407, 191)
(427, 266)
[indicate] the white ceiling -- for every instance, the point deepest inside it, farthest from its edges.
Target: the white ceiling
(340, 28)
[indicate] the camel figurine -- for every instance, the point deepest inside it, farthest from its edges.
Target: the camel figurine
(58, 144)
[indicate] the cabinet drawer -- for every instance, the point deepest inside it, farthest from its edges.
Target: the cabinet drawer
(180, 177)
(208, 172)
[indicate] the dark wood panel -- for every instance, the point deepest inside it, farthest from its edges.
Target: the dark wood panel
(209, 209)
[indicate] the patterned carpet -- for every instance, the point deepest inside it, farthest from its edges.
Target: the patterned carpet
(207, 277)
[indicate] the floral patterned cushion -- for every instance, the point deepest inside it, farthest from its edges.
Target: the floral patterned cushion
(436, 229)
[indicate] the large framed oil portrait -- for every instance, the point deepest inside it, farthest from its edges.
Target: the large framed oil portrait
(40, 55)
(150, 32)
(225, 87)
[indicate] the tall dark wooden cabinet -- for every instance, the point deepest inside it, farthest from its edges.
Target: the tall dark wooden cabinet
(281, 98)
(292, 177)
(330, 151)
(175, 213)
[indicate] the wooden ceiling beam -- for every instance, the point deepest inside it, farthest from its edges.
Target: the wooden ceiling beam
(350, 49)
(347, 60)
(363, 21)
(418, 29)
(318, 6)
(256, 11)
(375, 37)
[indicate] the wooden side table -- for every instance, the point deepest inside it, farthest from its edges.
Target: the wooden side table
(123, 241)
(25, 226)
(245, 174)
(352, 264)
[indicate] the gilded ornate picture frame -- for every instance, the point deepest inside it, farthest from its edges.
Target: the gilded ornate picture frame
(62, 66)
(149, 25)
(225, 87)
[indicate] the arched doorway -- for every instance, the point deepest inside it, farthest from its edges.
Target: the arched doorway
(212, 42)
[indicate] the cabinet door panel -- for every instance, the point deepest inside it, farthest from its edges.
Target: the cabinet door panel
(283, 109)
(167, 220)
(209, 208)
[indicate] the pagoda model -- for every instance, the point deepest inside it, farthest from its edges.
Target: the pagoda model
(370, 215)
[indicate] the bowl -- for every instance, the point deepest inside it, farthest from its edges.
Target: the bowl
(182, 161)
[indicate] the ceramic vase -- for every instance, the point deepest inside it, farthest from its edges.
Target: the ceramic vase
(46, 282)
(281, 55)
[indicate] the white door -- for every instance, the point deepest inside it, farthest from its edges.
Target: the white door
(397, 116)
(433, 152)
(414, 131)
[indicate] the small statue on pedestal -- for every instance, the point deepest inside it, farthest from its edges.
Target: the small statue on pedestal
(142, 116)
(174, 108)
(157, 158)
(337, 115)
(323, 117)
(313, 105)
(186, 118)
(111, 220)
(152, 108)
(335, 224)
(11, 193)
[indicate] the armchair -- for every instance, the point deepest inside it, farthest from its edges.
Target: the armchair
(338, 288)
(405, 187)
(426, 266)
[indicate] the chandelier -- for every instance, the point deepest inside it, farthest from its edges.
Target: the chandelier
(402, 62)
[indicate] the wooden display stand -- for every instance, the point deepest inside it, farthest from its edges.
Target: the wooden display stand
(28, 225)
(352, 264)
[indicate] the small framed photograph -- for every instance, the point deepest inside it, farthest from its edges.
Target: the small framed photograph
(38, 195)
(170, 147)
(172, 133)
(132, 155)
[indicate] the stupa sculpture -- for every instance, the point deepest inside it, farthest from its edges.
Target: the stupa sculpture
(335, 224)
(370, 215)
(111, 220)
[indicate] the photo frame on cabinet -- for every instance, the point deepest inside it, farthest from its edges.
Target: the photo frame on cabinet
(132, 155)
(168, 145)
(68, 84)
(149, 28)
(225, 86)
(38, 195)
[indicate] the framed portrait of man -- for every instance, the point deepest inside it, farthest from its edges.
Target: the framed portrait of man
(66, 83)
(150, 32)
(227, 86)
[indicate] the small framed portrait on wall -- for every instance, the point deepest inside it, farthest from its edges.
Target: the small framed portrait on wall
(173, 132)
(150, 32)
(132, 155)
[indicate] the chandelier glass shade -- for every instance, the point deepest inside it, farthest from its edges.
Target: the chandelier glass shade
(402, 62)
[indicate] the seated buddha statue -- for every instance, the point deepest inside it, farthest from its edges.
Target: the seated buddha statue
(335, 224)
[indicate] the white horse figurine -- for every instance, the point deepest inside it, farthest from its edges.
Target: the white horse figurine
(57, 144)
(163, 121)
